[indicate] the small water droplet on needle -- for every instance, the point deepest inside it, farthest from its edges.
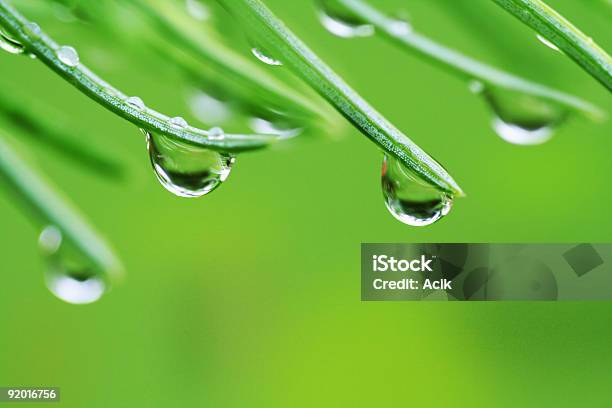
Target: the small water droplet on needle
(68, 55)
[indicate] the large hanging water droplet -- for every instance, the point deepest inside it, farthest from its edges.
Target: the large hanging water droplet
(340, 22)
(197, 10)
(410, 199)
(68, 55)
(186, 170)
(209, 109)
(10, 45)
(264, 57)
(547, 43)
(69, 276)
(523, 119)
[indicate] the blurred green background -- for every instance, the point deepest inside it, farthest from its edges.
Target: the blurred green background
(250, 296)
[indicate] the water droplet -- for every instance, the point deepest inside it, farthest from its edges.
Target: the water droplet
(400, 27)
(209, 109)
(179, 122)
(50, 240)
(476, 86)
(197, 10)
(10, 45)
(547, 43)
(265, 126)
(523, 119)
(77, 287)
(521, 135)
(135, 102)
(216, 133)
(33, 30)
(410, 199)
(264, 57)
(68, 55)
(338, 21)
(69, 276)
(186, 170)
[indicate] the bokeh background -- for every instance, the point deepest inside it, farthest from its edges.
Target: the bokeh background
(250, 296)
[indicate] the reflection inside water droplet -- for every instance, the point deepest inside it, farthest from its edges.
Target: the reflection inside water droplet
(10, 45)
(68, 55)
(523, 119)
(338, 21)
(410, 199)
(186, 170)
(69, 276)
(265, 57)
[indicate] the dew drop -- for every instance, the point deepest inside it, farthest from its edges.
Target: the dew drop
(33, 30)
(179, 122)
(186, 170)
(341, 23)
(77, 287)
(216, 133)
(520, 134)
(209, 109)
(547, 43)
(68, 276)
(68, 55)
(9, 45)
(135, 102)
(409, 199)
(400, 27)
(197, 10)
(264, 57)
(523, 119)
(50, 240)
(476, 87)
